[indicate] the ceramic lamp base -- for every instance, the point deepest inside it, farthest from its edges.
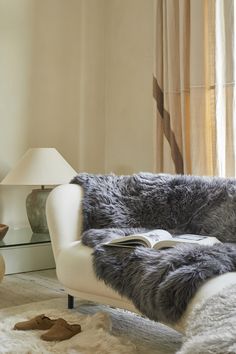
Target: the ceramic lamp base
(36, 210)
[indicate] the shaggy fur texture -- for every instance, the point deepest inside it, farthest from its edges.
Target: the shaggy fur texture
(95, 337)
(212, 326)
(160, 283)
(104, 331)
(177, 203)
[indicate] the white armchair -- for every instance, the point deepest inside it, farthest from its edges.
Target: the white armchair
(74, 260)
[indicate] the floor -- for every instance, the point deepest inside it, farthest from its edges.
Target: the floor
(22, 288)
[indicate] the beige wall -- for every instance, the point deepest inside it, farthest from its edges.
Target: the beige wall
(39, 87)
(75, 75)
(92, 87)
(129, 62)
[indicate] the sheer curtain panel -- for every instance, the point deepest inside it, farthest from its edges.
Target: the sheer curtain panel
(194, 86)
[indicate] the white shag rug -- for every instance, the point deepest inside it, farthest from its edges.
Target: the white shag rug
(212, 325)
(104, 331)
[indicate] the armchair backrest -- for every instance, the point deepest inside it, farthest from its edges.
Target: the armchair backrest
(64, 215)
(176, 203)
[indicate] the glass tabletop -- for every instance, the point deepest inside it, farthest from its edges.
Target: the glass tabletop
(23, 236)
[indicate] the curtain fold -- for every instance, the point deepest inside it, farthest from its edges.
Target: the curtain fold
(194, 86)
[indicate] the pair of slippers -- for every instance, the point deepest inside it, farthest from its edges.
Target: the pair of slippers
(57, 330)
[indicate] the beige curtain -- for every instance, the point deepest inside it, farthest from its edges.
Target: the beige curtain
(194, 87)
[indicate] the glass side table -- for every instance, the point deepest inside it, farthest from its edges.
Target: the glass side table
(23, 236)
(24, 251)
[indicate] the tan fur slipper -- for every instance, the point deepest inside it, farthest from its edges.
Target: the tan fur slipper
(39, 322)
(61, 330)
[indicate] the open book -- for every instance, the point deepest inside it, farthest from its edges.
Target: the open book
(160, 239)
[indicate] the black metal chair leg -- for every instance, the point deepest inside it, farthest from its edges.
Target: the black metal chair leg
(70, 301)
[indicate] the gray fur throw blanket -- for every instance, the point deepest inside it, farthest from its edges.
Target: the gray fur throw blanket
(159, 283)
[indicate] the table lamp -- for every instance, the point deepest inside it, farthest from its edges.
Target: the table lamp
(44, 167)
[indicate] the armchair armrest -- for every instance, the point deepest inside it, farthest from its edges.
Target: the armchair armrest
(64, 216)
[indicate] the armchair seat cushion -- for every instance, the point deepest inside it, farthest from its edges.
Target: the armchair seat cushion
(75, 271)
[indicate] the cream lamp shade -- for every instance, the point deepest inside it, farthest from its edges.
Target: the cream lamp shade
(40, 166)
(44, 167)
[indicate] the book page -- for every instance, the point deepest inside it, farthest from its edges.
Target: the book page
(186, 238)
(147, 239)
